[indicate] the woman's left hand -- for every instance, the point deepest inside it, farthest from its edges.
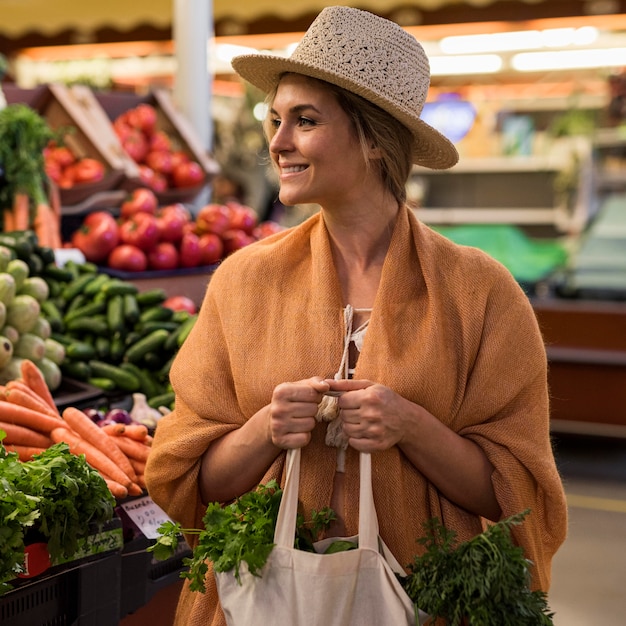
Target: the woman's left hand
(373, 416)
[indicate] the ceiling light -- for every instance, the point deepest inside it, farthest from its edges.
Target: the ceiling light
(471, 64)
(569, 59)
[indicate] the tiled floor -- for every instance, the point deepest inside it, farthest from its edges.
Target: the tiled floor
(589, 573)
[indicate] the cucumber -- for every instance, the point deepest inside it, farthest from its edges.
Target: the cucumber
(76, 369)
(96, 324)
(86, 311)
(171, 343)
(115, 313)
(147, 327)
(96, 284)
(151, 297)
(80, 351)
(150, 343)
(125, 380)
(147, 384)
(76, 286)
(186, 329)
(156, 314)
(52, 314)
(52, 270)
(131, 308)
(117, 348)
(165, 399)
(103, 347)
(116, 286)
(106, 384)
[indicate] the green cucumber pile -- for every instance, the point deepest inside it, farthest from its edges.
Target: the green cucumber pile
(78, 322)
(116, 337)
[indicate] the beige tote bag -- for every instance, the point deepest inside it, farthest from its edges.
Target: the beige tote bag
(299, 588)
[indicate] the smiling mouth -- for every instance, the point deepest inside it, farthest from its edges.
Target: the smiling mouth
(293, 169)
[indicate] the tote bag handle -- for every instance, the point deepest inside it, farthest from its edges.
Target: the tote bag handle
(285, 532)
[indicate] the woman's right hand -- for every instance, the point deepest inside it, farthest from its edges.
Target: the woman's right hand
(292, 411)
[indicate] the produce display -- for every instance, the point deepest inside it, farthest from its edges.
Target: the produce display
(147, 236)
(117, 451)
(67, 170)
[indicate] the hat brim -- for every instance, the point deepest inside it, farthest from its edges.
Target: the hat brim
(430, 148)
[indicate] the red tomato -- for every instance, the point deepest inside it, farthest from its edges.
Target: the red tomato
(122, 128)
(141, 200)
(128, 258)
(97, 236)
(235, 239)
(188, 174)
(267, 228)
(143, 117)
(62, 155)
(178, 157)
(136, 146)
(243, 217)
(190, 253)
(211, 248)
(140, 230)
(159, 161)
(87, 171)
(160, 142)
(53, 170)
(171, 221)
(181, 303)
(213, 218)
(164, 256)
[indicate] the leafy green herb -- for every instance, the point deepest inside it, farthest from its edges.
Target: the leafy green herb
(18, 511)
(242, 531)
(57, 491)
(484, 581)
(72, 496)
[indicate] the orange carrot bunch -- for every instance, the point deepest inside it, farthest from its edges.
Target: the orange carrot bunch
(32, 423)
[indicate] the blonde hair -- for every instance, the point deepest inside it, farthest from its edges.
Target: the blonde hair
(374, 128)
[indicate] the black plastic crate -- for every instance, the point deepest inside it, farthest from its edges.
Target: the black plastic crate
(87, 594)
(143, 575)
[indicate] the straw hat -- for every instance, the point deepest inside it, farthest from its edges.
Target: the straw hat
(369, 56)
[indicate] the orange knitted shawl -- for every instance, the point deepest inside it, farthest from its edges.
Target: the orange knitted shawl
(450, 330)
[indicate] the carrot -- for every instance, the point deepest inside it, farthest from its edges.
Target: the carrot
(33, 377)
(22, 416)
(56, 240)
(34, 402)
(119, 491)
(138, 432)
(25, 453)
(133, 449)
(114, 429)
(18, 383)
(8, 223)
(21, 217)
(138, 466)
(85, 428)
(24, 436)
(135, 489)
(97, 459)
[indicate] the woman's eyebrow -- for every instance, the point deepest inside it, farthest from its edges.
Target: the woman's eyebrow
(298, 108)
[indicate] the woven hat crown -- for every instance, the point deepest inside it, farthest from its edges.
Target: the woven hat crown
(370, 56)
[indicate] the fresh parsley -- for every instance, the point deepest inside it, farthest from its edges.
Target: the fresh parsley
(480, 582)
(242, 531)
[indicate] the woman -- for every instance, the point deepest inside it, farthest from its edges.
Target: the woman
(433, 348)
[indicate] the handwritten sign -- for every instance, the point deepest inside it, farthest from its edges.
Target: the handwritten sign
(146, 515)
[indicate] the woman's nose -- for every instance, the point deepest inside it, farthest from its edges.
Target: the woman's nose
(281, 140)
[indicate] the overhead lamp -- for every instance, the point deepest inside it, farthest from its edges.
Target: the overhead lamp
(470, 64)
(569, 59)
(519, 40)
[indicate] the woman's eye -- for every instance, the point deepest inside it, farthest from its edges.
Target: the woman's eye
(305, 121)
(275, 122)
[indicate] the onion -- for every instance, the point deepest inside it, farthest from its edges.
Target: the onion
(121, 416)
(94, 415)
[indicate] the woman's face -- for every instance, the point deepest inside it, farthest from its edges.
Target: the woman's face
(314, 146)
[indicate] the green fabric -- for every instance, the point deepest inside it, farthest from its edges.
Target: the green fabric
(529, 260)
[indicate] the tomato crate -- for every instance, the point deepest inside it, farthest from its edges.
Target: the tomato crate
(82, 593)
(176, 126)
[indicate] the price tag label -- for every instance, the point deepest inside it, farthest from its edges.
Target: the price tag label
(147, 515)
